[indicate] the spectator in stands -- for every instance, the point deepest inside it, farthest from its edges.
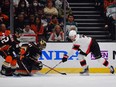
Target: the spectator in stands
(50, 9)
(111, 15)
(16, 2)
(71, 23)
(54, 21)
(44, 22)
(43, 2)
(19, 22)
(3, 30)
(57, 35)
(22, 8)
(3, 17)
(30, 1)
(31, 19)
(1, 2)
(28, 30)
(99, 4)
(6, 7)
(60, 7)
(35, 8)
(38, 28)
(107, 3)
(60, 3)
(111, 12)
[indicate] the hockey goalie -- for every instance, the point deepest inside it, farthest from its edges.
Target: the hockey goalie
(29, 53)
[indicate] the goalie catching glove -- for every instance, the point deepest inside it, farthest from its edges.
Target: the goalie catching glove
(65, 58)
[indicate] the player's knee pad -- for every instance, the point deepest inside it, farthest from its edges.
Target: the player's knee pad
(8, 59)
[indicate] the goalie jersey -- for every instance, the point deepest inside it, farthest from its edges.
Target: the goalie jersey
(9, 40)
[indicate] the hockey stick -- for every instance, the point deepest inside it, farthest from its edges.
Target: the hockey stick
(53, 67)
(50, 67)
(54, 70)
(25, 68)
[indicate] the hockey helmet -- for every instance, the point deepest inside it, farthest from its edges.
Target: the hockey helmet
(72, 33)
(42, 44)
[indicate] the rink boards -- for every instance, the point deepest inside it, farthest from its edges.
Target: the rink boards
(53, 54)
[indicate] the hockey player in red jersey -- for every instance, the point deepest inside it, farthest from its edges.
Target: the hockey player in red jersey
(84, 45)
(9, 49)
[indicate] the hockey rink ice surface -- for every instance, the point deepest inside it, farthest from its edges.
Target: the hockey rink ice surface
(57, 80)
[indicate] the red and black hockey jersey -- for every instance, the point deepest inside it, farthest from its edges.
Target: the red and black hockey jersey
(82, 43)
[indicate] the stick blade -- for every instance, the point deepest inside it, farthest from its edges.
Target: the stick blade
(63, 73)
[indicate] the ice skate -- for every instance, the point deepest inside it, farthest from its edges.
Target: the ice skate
(16, 74)
(6, 71)
(111, 69)
(85, 71)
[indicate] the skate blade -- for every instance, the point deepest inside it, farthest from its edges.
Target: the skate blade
(85, 74)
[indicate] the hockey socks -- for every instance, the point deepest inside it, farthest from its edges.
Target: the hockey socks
(106, 64)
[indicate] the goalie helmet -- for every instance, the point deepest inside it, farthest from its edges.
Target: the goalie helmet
(42, 44)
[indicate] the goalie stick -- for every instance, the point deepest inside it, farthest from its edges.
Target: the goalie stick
(53, 67)
(25, 68)
(50, 67)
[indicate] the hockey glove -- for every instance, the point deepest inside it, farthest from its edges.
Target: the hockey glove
(65, 57)
(39, 65)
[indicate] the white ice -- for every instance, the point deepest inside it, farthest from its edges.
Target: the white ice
(70, 80)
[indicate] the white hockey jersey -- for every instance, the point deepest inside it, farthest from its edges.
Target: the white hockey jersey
(81, 42)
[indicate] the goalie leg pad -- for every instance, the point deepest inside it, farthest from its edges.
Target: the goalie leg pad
(7, 71)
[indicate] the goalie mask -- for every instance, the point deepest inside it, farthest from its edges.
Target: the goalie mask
(42, 44)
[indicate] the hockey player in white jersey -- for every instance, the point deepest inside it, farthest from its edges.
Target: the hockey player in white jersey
(84, 45)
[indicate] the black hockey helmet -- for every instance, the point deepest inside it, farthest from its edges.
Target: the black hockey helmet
(42, 44)
(39, 45)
